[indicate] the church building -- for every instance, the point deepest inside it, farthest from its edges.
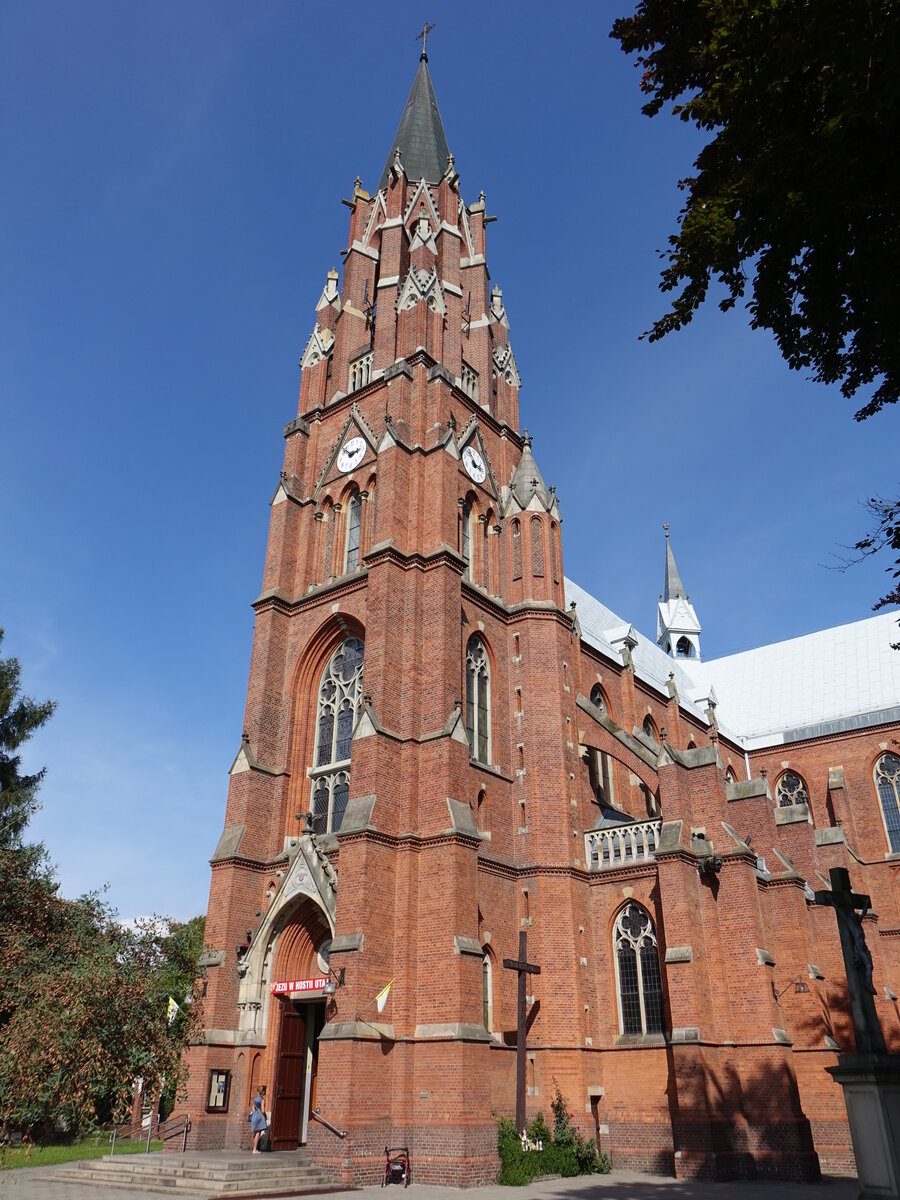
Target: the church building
(448, 743)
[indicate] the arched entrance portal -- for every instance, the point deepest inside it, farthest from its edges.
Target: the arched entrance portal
(296, 1018)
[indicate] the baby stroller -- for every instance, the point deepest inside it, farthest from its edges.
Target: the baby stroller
(396, 1165)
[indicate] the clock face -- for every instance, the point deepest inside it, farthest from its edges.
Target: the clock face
(474, 464)
(351, 454)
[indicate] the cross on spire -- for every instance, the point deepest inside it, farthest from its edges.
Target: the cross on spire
(426, 29)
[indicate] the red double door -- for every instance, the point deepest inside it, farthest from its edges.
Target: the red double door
(290, 1075)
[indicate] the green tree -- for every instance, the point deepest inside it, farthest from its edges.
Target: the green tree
(798, 187)
(19, 718)
(83, 1001)
(796, 194)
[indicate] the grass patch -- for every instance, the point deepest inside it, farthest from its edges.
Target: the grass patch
(12, 1157)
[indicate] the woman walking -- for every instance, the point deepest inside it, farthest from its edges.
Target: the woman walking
(257, 1121)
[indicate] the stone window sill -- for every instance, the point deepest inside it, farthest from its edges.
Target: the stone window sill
(640, 1039)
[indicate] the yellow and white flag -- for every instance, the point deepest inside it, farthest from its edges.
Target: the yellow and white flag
(172, 1010)
(381, 998)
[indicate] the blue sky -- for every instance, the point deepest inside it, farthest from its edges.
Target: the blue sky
(171, 202)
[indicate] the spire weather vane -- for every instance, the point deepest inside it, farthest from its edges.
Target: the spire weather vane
(423, 36)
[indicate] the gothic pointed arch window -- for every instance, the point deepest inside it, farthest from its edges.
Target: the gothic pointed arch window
(465, 537)
(598, 699)
(354, 516)
(791, 789)
(537, 547)
(684, 648)
(478, 700)
(887, 781)
(487, 990)
(339, 703)
(516, 533)
(649, 729)
(638, 982)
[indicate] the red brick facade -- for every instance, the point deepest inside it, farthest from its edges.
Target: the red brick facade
(442, 859)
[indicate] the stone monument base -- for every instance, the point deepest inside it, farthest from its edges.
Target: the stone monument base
(871, 1086)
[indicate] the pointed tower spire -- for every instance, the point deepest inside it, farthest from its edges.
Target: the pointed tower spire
(674, 589)
(527, 481)
(420, 137)
(677, 627)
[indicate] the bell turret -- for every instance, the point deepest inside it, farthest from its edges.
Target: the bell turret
(677, 626)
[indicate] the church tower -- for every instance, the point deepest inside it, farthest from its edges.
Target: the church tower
(677, 627)
(447, 745)
(392, 781)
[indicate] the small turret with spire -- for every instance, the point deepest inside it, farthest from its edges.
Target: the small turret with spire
(677, 627)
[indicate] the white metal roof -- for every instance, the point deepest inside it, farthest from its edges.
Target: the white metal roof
(843, 678)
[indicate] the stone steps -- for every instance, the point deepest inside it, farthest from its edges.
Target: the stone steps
(199, 1176)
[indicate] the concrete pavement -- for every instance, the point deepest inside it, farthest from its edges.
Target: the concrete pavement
(620, 1185)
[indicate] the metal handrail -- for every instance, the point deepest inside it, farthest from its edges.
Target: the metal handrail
(316, 1116)
(166, 1128)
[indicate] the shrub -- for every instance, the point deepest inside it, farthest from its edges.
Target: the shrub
(565, 1152)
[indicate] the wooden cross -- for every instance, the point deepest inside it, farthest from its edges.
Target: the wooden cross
(857, 959)
(426, 29)
(524, 969)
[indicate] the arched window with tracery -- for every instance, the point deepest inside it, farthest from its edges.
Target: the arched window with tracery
(887, 781)
(638, 980)
(340, 700)
(478, 700)
(354, 514)
(791, 789)
(597, 698)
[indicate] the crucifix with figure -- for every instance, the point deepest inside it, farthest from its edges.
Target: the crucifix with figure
(857, 959)
(524, 1021)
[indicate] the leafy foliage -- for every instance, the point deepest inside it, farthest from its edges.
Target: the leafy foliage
(884, 534)
(19, 718)
(799, 183)
(83, 1002)
(565, 1152)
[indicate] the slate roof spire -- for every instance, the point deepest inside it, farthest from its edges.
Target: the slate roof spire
(674, 589)
(527, 481)
(420, 135)
(678, 628)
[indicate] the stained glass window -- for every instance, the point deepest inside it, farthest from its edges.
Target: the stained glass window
(637, 972)
(340, 699)
(353, 518)
(791, 789)
(887, 780)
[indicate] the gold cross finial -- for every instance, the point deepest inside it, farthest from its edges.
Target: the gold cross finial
(426, 29)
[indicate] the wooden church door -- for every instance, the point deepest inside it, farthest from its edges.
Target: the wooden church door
(287, 1111)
